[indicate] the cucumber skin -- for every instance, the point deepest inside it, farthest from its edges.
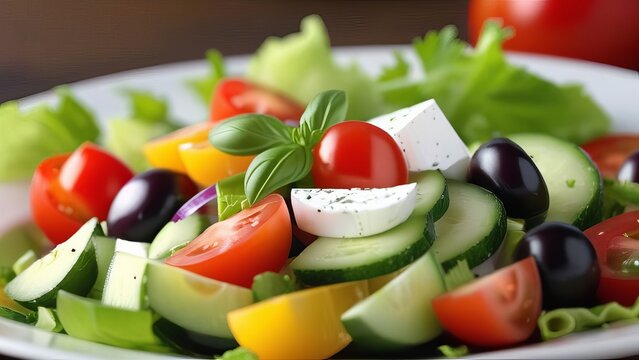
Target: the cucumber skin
(441, 205)
(398, 261)
(191, 342)
(592, 214)
(79, 280)
(474, 257)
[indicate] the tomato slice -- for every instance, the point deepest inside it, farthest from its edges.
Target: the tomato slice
(609, 152)
(618, 254)
(235, 96)
(496, 310)
(67, 190)
(250, 242)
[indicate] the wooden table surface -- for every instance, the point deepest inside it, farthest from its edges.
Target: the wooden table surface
(47, 43)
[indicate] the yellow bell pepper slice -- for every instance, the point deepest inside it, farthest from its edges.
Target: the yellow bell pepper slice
(207, 165)
(300, 325)
(163, 152)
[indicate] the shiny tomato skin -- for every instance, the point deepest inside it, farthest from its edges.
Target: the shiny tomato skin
(499, 309)
(236, 96)
(616, 235)
(609, 152)
(249, 243)
(93, 177)
(356, 154)
(47, 213)
(69, 189)
(597, 30)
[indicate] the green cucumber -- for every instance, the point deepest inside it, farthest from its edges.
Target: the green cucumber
(432, 193)
(104, 250)
(472, 229)
(24, 261)
(91, 320)
(16, 315)
(71, 266)
(48, 320)
(333, 260)
(574, 182)
(400, 314)
(190, 342)
(194, 302)
(175, 235)
(124, 286)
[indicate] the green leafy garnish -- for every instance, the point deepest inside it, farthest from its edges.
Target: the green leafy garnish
(283, 153)
(29, 136)
(301, 65)
(204, 87)
(230, 196)
(561, 322)
(238, 354)
(29, 318)
(484, 96)
(269, 284)
(454, 351)
(6, 274)
(149, 119)
(398, 71)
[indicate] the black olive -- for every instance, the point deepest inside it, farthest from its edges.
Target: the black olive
(567, 264)
(146, 203)
(629, 170)
(504, 168)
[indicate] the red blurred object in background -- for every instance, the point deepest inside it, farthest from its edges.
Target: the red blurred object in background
(605, 31)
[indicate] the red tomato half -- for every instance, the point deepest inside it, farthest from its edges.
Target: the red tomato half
(356, 154)
(249, 243)
(618, 254)
(597, 30)
(499, 309)
(234, 96)
(67, 190)
(609, 152)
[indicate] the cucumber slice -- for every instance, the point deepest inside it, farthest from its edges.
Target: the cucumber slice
(71, 266)
(432, 193)
(14, 315)
(91, 320)
(175, 235)
(472, 229)
(48, 320)
(574, 182)
(194, 302)
(333, 260)
(124, 286)
(399, 314)
(104, 250)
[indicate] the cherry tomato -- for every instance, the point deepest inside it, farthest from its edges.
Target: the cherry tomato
(250, 242)
(235, 96)
(356, 154)
(609, 152)
(596, 30)
(618, 254)
(499, 309)
(67, 190)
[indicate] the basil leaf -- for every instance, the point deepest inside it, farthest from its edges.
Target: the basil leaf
(325, 110)
(249, 134)
(275, 168)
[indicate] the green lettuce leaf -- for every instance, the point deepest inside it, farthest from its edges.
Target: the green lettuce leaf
(301, 65)
(30, 136)
(203, 87)
(484, 96)
(149, 119)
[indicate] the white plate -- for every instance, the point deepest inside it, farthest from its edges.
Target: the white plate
(616, 90)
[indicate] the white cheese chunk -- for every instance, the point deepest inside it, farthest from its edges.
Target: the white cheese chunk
(427, 139)
(352, 213)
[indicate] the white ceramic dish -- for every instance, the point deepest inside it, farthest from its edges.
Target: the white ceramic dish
(616, 90)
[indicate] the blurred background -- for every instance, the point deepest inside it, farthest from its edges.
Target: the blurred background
(47, 43)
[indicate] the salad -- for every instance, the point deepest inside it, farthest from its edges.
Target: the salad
(322, 212)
